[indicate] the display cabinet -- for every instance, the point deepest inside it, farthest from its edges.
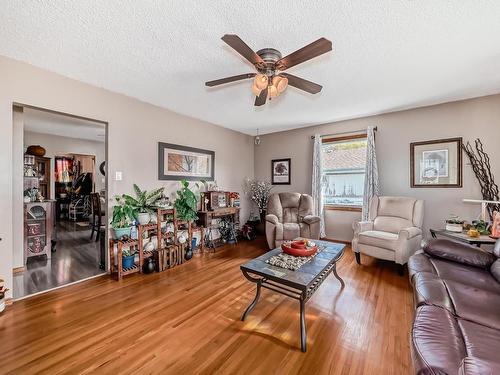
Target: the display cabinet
(38, 228)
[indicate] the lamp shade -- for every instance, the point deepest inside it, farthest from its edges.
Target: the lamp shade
(255, 89)
(281, 83)
(261, 81)
(273, 91)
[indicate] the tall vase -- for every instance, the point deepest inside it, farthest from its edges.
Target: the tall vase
(261, 227)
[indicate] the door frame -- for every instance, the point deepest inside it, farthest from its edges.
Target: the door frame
(106, 185)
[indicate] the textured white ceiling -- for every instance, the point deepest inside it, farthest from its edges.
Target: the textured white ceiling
(65, 126)
(388, 54)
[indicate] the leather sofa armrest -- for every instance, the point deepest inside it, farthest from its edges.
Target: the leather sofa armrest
(460, 253)
(273, 219)
(478, 366)
(410, 232)
(310, 219)
(362, 226)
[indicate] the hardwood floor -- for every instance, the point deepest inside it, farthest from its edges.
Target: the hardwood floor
(76, 258)
(187, 321)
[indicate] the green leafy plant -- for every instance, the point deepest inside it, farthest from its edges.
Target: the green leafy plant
(145, 201)
(481, 226)
(127, 252)
(185, 204)
(123, 213)
(453, 219)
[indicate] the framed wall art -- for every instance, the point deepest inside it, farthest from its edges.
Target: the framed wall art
(176, 162)
(436, 163)
(280, 171)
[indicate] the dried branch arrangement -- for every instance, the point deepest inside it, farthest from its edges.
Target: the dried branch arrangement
(480, 162)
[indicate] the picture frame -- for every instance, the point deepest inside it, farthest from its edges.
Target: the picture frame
(178, 162)
(281, 171)
(436, 163)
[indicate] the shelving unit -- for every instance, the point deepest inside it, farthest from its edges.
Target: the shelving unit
(118, 267)
(168, 252)
(144, 232)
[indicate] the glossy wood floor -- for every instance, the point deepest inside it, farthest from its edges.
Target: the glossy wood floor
(76, 258)
(187, 321)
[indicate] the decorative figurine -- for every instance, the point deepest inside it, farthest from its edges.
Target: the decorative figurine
(495, 227)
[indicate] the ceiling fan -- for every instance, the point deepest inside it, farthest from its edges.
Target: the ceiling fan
(270, 81)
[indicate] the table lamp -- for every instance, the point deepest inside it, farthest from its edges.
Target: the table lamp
(484, 204)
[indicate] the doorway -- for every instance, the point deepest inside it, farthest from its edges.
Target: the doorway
(59, 170)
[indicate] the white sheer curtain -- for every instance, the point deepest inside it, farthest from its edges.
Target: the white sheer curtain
(317, 185)
(371, 173)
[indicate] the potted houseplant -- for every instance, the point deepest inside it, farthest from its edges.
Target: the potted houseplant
(3, 290)
(128, 258)
(455, 224)
(185, 204)
(144, 203)
(123, 218)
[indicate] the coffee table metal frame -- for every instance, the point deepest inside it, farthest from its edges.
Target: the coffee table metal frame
(292, 290)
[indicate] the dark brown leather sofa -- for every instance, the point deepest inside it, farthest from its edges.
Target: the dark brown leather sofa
(456, 328)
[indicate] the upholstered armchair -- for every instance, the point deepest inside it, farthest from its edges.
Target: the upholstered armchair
(290, 215)
(393, 232)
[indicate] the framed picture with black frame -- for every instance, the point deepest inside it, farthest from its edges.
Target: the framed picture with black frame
(177, 162)
(436, 164)
(281, 171)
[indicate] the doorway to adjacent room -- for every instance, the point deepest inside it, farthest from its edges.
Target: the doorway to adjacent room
(60, 172)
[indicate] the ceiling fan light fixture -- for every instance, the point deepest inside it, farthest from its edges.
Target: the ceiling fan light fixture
(273, 91)
(281, 83)
(261, 81)
(255, 89)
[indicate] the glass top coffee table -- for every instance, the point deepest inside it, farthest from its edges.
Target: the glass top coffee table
(300, 284)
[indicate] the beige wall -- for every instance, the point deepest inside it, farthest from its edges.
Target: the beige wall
(468, 119)
(134, 130)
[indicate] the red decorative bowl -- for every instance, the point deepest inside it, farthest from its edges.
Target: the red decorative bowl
(298, 245)
(298, 252)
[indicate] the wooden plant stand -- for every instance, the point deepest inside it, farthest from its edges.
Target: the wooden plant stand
(118, 267)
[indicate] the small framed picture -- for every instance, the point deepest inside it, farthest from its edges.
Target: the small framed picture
(280, 171)
(436, 163)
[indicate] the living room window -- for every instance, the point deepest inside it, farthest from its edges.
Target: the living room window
(344, 160)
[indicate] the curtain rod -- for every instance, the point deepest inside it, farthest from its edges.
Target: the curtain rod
(346, 132)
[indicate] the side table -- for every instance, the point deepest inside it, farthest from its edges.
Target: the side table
(463, 237)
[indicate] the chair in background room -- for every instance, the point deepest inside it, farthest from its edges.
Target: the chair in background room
(96, 222)
(393, 232)
(290, 215)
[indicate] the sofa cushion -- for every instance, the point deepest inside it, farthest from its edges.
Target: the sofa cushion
(480, 341)
(473, 276)
(385, 240)
(429, 289)
(460, 253)
(478, 366)
(437, 344)
(291, 231)
(474, 304)
(420, 262)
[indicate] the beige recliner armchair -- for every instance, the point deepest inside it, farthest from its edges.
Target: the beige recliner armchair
(290, 215)
(393, 232)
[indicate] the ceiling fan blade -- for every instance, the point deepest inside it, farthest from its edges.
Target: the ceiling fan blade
(261, 99)
(229, 79)
(243, 49)
(302, 83)
(308, 52)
